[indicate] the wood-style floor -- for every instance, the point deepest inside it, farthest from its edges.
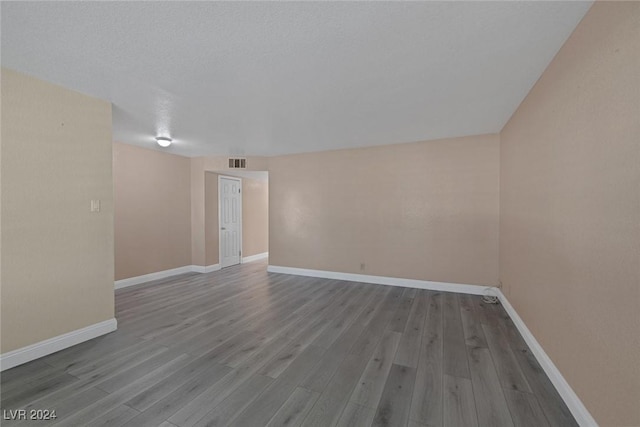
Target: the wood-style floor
(244, 347)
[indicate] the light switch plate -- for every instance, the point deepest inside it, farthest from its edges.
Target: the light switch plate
(95, 206)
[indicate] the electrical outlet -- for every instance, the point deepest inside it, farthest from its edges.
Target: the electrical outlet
(362, 266)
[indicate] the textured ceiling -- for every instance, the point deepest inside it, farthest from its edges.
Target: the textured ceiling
(271, 78)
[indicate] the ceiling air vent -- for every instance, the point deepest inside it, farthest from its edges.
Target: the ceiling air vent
(237, 163)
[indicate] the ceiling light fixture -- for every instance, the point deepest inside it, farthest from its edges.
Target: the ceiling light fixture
(163, 141)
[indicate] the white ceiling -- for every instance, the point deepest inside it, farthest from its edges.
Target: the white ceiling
(244, 78)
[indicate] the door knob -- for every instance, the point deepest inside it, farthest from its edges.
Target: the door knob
(222, 228)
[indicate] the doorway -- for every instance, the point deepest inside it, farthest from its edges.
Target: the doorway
(230, 220)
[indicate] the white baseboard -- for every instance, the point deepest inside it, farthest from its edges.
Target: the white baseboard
(212, 268)
(575, 405)
(207, 269)
(131, 281)
(34, 351)
(573, 402)
(152, 276)
(255, 257)
(381, 280)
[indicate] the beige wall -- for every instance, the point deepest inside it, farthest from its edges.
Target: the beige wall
(198, 234)
(570, 212)
(255, 217)
(221, 163)
(167, 211)
(204, 239)
(211, 218)
(152, 210)
(425, 210)
(57, 258)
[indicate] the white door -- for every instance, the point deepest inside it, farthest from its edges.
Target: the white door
(230, 219)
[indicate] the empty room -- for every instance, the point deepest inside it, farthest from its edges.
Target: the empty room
(417, 214)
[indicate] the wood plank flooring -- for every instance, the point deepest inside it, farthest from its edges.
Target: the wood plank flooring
(243, 347)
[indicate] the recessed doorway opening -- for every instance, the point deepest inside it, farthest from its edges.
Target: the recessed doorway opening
(241, 217)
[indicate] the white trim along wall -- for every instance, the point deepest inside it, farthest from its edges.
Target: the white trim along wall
(575, 405)
(153, 276)
(256, 257)
(131, 281)
(34, 351)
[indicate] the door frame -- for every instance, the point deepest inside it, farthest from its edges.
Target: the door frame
(235, 178)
